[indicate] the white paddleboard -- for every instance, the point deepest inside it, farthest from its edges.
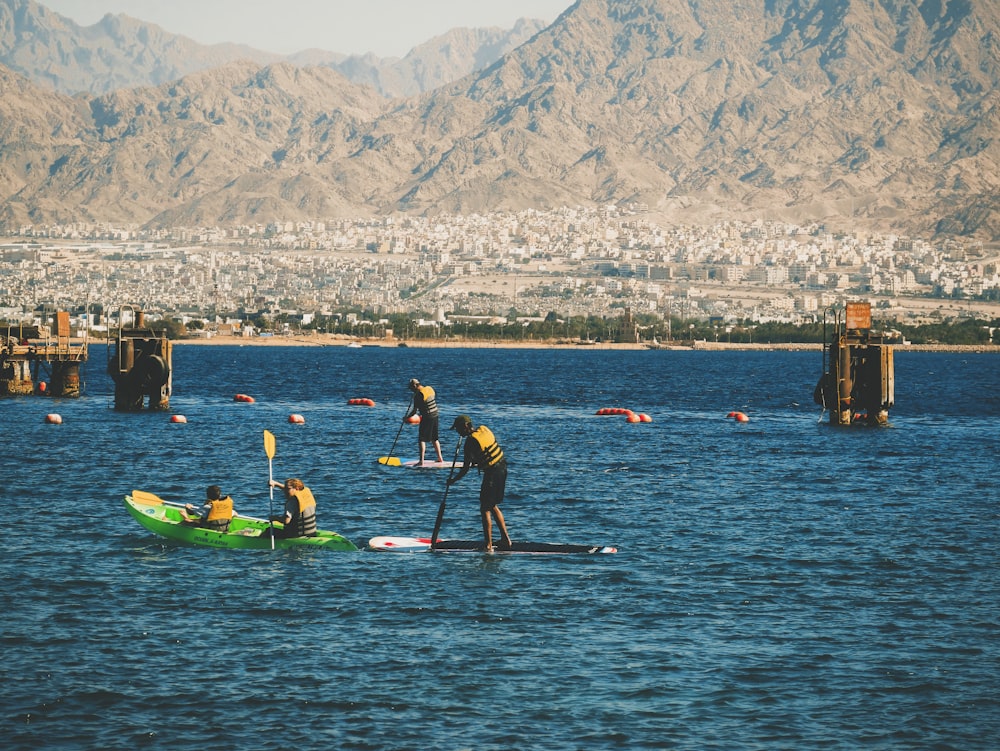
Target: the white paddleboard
(401, 544)
(395, 461)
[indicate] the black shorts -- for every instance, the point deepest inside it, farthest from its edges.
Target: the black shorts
(428, 429)
(494, 483)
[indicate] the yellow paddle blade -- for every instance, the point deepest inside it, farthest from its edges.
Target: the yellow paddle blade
(147, 499)
(269, 444)
(391, 461)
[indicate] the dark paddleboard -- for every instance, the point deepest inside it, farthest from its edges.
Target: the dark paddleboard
(423, 545)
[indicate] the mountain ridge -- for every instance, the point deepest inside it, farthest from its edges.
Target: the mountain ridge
(860, 113)
(124, 52)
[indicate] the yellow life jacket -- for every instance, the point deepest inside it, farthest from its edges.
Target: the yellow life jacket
(488, 446)
(220, 514)
(303, 522)
(429, 406)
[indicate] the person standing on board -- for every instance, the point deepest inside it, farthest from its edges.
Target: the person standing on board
(300, 510)
(214, 514)
(483, 451)
(425, 403)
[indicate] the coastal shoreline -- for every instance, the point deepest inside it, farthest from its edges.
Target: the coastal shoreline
(335, 341)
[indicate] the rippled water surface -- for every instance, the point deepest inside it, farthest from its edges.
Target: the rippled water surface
(780, 584)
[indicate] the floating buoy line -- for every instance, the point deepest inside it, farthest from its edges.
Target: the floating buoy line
(630, 416)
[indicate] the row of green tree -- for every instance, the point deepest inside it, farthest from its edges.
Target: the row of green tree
(641, 328)
(645, 328)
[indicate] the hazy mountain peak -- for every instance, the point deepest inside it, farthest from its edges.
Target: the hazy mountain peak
(853, 112)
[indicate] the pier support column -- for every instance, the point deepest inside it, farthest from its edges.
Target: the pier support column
(66, 379)
(15, 378)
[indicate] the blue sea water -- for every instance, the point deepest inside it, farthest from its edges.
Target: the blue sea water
(781, 583)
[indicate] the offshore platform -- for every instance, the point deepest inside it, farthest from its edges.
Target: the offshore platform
(31, 354)
(139, 362)
(857, 385)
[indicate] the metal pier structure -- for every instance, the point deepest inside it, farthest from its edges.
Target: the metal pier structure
(30, 354)
(857, 385)
(139, 362)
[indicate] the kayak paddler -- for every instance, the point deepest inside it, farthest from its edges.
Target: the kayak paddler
(300, 510)
(214, 514)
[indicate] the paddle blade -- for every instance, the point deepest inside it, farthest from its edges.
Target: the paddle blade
(269, 444)
(390, 461)
(147, 499)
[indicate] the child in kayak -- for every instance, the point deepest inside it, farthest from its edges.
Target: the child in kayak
(214, 514)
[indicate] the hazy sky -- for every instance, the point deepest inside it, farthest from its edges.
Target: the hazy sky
(385, 27)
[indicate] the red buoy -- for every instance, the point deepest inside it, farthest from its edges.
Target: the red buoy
(43, 387)
(361, 402)
(178, 418)
(243, 398)
(740, 417)
(413, 419)
(296, 419)
(632, 417)
(643, 417)
(53, 419)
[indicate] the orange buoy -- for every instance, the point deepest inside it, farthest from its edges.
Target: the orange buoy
(361, 402)
(413, 419)
(296, 419)
(740, 417)
(643, 417)
(243, 398)
(731, 414)
(53, 419)
(43, 387)
(632, 417)
(178, 418)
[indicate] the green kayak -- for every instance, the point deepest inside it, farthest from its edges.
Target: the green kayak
(245, 532)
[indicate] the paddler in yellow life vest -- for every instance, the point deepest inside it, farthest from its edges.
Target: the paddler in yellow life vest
(425, 402)
(214, 514)
(483, 451)
(300, 510)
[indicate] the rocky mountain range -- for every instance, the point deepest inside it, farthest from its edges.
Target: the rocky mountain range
(122, 52)
(853, 113)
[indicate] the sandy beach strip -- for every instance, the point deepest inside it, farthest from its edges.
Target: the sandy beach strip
(331, 340)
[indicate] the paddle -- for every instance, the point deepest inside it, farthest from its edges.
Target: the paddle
(447, 485)
(389, 459)
(151, 499)
(144, 498)
(269, 450)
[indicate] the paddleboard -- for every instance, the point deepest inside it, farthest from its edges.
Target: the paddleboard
(395, 461)
(423, 545)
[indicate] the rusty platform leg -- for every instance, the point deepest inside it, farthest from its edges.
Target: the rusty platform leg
(66, 379)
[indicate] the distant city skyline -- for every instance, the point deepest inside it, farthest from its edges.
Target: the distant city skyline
(387, 28)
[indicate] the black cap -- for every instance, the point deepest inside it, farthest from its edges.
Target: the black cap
(461, 420)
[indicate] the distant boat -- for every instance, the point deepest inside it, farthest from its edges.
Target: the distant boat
(356, 345)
